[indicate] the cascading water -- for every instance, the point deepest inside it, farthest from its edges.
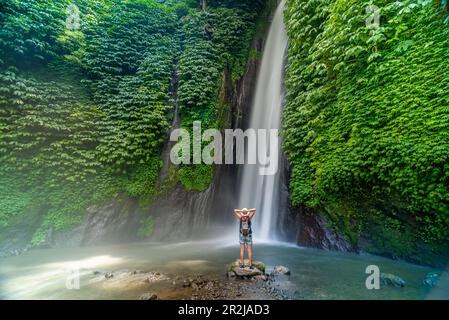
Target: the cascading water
(262, 191)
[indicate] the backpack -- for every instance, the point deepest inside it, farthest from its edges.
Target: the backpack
(245, 226)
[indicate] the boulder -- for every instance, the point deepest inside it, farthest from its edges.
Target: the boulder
(247, 272)
(392, 280)
(431, 279)
(280, 270)
(256, 264)
(262, 277)
(257, 270)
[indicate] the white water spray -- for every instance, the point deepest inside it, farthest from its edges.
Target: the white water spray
(259, 191)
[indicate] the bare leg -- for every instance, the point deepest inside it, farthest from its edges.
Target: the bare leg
(242, 254)
(250, 254)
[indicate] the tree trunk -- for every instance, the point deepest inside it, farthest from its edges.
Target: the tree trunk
(203, 4)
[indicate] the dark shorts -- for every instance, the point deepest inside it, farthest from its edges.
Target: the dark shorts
(246, 239)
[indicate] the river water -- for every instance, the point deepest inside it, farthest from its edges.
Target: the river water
(316, 274)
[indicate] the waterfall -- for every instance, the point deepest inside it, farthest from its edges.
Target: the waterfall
(262, 191)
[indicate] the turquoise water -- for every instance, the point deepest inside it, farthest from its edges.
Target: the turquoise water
(316, 274)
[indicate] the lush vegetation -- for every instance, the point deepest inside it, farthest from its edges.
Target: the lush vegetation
(85, 94)
(214, 41)
(366, 125)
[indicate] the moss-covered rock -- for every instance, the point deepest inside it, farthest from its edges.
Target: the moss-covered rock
(392, 280)
(256, 264)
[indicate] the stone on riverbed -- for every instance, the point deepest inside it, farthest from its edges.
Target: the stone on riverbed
(246, 272)
(392, 280)
(126, 277)
(280, 270)
(256, 264)
(148, 296)
(431, 279)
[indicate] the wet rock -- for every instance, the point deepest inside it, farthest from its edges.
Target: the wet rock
(392, 280)
(431, 279)
(308, 227)
(155, 276)
(262, 277)
(148, 296)
(186, 284)
(109, 275)
(280, 270)
(231, 274)
(246, 272)
(114, 221)
(259, 265)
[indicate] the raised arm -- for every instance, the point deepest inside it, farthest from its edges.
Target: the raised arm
(237, 213)
(252, 212)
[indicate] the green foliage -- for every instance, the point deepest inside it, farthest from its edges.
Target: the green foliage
(142, 182)
(46, 130)
(13, 200)
(83, 113)
(64, 208)
(213, 41)
(366, 121)
(146, 229)
(386, 232)
(196, 177)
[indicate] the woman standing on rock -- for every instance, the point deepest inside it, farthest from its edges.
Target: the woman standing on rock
(246, 239)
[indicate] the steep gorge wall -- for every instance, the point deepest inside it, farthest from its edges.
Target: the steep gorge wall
(102, 120)
(366, 123)
(181, 214)
(175, 213)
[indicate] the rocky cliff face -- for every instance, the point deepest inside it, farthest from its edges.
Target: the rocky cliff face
(115, 221)
(304, 226)
(309, 229)
(181, 215)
